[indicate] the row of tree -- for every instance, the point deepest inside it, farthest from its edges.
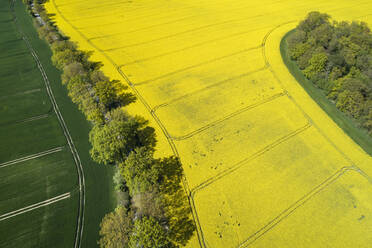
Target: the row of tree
(153, 209)
(337, 58)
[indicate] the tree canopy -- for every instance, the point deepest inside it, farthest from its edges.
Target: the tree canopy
(337, 58)
(122, 133)
(116, 228)
(148, 233)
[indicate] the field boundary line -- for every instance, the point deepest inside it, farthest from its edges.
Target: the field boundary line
(30, 157)
(74, 152)
(34, 206)
(229, 116)
(192, 66)
(206, 88)
(266, 59)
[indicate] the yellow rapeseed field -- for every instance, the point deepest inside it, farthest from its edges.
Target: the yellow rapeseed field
(264, 165)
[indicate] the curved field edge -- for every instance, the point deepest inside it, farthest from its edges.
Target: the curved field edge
(319, 118)
(348, 125)
(100, 196)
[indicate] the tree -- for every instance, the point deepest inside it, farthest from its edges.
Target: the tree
(317, 65)
(119, 182)
(368, 121)
(113, 141)
(78, 88)
(106, 93)
(350, 102)
(116, 228)
(149, 204)
(64, 57)
(112, 94)
(72, 70)
(141, 171)
(148, 233)
(62, 45)
(312, 21)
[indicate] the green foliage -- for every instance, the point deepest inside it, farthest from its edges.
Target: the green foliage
(116, 228)
(148, 233)
(64, 57)
(62, 45)
(155, 185)
(74, 69)
(149, 204)
(141, 171)
(105, 92)
(119, 181)
(312, 21)
(316, 65)
(112, 142)
(350, 102)
(299, 50)
(112, 94)
(337, 58)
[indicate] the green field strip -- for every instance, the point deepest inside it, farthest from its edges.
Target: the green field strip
(100, 197)
(45, 227)
(35, 180)
(66, 133)
(28, 138)
(21, 107)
